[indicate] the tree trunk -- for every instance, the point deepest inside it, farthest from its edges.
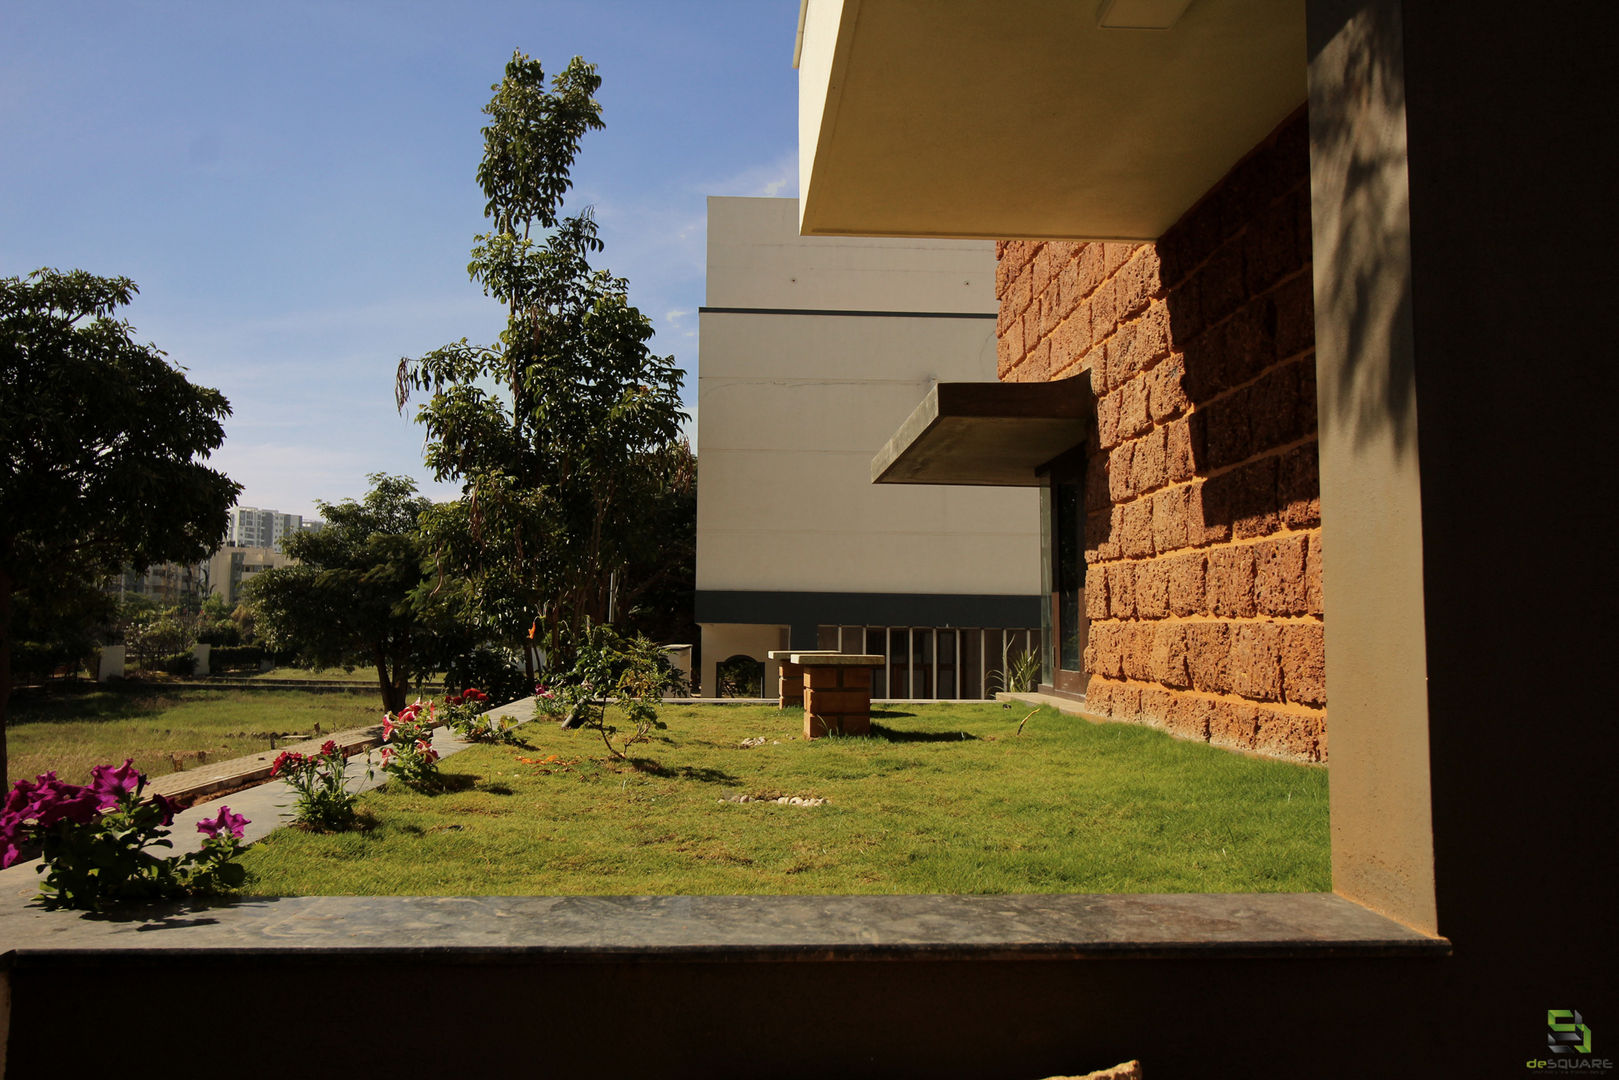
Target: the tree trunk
(392, 700)
(7, 587)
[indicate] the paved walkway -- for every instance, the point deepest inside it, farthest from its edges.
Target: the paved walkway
(267, 807)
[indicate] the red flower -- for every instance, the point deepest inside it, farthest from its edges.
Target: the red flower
(328, 748)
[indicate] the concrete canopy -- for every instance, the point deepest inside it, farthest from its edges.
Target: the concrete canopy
(910, 110)
(995, 434)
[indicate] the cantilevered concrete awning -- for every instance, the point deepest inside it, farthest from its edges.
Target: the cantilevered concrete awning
(992, 434)
(1077, 119)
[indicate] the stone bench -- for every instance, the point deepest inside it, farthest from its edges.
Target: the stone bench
(837, 691)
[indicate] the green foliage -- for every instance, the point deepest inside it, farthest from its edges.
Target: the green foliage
(235, 658)
(101, 441)
(559, 432)
(633, 672)
(492, 670)
(466, 715)
(180, 663)
(323, 801)
(361, 593)
(1022, 674)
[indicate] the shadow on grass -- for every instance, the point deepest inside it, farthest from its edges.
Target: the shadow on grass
(889, 714)
(703, 775)
(892, 735)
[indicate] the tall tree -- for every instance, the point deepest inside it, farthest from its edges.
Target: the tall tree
(101, 445)
(556, 429)
(360, 594)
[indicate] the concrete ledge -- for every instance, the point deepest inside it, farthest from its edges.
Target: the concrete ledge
(722, 928)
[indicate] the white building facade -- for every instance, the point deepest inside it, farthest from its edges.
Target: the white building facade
(812, 351)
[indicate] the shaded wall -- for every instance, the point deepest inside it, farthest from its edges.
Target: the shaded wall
(1203, 584)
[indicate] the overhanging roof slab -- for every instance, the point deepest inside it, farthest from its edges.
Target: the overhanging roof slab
(1029, 118)
(986, 434)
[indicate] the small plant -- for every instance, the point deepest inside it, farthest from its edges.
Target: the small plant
(462, 712)
(633, 672)
(407, 752)
(93, 840)
(324, 804)
(1022, 674)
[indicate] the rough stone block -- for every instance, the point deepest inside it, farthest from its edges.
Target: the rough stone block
(1166, 397)
(1096, 596)
(1304, 663)
(1276, 416)
(1133, 417)
(1279, 587)
(1180, 453)
(1298, 487)
(1295, 316)
(1244, 498)
(1120, 475)
(1292, 735)
(1256, 661)
(1189, 717)
(1152, 589)
(1044, 269)
(1136, 644)
(1139, 280)
(1186, 584)
(1126, 702)
(1101, 535)
(1008, 353)
(1109, 650)
(1208, 656)
(1090, 268)
(1270, 249)
(1227, 435)
(1036, 366)
(1150, 343)
(1204, 523)
(1234, 724)
(1072, 339)
(1169, 518)
(1156, 703)
(1149, 466)
(1115, 255)
(1121, 589)
(1136, 537)
(1104, 309)
(1169, 650)
(1220, 279)
(1067, 286)
(1231, 582)
(1107, 421)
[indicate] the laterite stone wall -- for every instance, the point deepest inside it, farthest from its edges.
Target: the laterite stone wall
(1203, 545)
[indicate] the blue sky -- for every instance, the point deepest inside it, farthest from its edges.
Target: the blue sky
(292, 186)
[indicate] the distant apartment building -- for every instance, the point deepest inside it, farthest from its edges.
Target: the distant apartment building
(230, 567)
(253, 527)
(167, 584)
(812, 352)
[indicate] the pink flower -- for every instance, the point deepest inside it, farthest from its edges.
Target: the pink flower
(408, 713)
(328, 748)
(226, 821)
(387, 727)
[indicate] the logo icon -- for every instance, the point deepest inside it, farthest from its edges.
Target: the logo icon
(1568, 1034)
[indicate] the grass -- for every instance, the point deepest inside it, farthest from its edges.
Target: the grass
(69, 729)
(945, 799)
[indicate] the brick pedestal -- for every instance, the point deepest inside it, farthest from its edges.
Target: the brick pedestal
(790, 687)
(836, 699)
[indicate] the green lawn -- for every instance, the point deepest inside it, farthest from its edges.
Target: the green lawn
(71, 729)
(946, 799)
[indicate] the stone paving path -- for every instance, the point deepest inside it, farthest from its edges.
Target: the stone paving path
(267, 806)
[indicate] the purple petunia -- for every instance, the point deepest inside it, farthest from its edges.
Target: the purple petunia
(226, 821)
(113, 784)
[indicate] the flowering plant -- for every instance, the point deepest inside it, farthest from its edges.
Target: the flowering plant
(323, 803)
(407, 751)
(93, 839)
(463, 713)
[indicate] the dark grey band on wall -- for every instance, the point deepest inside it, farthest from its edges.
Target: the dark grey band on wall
(804, 611)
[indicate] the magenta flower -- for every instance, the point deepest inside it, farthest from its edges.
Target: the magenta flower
(328, 748)
(54, 800)
(167, 807)
(226, 821)
(114, 784)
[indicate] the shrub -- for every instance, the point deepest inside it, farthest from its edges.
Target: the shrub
(324, 803)
(494, 670)
(635, 672)
(407, 751)
(94, 837)
(235, 657)
(464, 714)
(180, 663)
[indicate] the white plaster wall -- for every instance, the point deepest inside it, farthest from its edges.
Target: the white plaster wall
(791, 409)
